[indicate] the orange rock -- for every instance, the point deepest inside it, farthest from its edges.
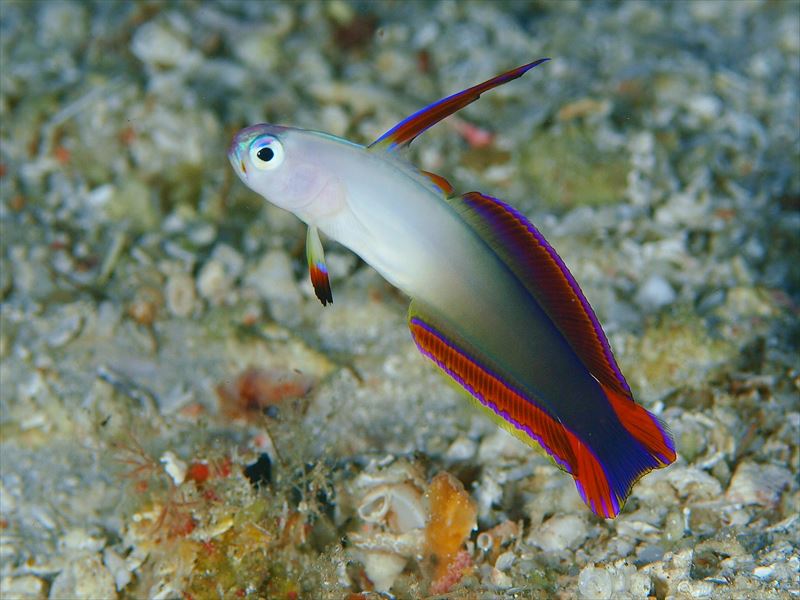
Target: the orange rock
(254, 390)
(452, 517)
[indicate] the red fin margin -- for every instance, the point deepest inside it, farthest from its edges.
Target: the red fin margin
(643, 427)
(317, 268)
(606, 495)
(321, 283)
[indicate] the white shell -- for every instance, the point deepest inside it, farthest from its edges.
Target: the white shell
(375, 505)
(484, 541)
(382, 568)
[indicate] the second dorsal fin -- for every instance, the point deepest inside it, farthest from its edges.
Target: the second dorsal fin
(440, 182)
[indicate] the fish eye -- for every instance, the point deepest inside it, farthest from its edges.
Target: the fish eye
(266, 153)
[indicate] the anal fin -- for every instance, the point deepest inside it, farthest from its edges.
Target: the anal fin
(514, 409)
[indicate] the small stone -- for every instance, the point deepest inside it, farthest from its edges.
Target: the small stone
(257, 49)
(157, 45)
(133, 203)
(108, 318)
(560, 533)
(693, 482)
(758, 484)
(31, 276)
(26, 587)
(230, 258)
(273, 278)
(180, 293)
(66, 330)
(339, 11)
(705, 107)
(488, 494)
(119, 568)
(764, 573)
(213, 283)
(500, 579)
(649, 554)
(61, 23)
(86, 577)
(79, 539)
(620, 580)
(395, 67)
(202, 235)
(174, 467)
(504, 561)
(461, 449)
(334, 119)
(501, 444)
(655, 293)
(382, 568)
(595, 582)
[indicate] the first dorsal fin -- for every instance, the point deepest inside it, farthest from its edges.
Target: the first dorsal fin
(406, 130)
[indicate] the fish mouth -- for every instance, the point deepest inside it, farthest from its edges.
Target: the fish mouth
(236, 161)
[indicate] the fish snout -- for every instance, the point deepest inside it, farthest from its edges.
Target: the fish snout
(236, 160)
(238, 148)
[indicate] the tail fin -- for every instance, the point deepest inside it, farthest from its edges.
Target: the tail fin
(605, 481)
(645, 428)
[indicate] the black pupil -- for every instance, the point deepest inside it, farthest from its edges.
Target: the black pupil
(265, 154)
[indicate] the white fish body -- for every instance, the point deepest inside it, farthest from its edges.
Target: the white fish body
(493, 305)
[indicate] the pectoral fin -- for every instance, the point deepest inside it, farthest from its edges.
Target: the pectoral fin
(317, 267)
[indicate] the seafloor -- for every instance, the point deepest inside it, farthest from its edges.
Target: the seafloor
(181, 418)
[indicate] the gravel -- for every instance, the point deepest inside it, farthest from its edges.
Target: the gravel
(148, 300)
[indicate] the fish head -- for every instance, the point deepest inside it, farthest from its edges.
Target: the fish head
(282, 165)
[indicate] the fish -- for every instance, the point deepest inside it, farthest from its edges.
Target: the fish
(493, 305)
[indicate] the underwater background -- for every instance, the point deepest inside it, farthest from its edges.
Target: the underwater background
(180, 418)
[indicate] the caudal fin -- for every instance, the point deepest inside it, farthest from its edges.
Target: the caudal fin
(605, 476)
(645, 427)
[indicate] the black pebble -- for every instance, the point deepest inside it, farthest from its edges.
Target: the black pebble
(260, 472)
